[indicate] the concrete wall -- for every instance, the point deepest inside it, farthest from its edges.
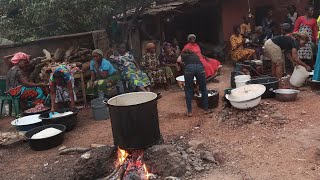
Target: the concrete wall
(234, 10)
(51, 44)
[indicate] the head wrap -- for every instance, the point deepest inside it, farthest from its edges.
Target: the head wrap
(190, 36)
(19, 56)
(97, 51)
(150, 46)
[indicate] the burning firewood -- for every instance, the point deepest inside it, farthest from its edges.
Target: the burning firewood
(74, 150)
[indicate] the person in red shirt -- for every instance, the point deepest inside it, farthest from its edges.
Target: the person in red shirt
(307, 24)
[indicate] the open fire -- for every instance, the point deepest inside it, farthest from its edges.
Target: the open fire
(129, 165)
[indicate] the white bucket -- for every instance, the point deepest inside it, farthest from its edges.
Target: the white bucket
(240, 83)
(299, 76)
(242, 77)
(241, 80)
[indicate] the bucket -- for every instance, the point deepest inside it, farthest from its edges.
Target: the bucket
(240, 83)
(99, 110)
(299, 76)
(242, 77)
(241, 80)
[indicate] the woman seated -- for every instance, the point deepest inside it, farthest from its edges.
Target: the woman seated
(211, 66)
(61, 89)
(168, 60)
(129, 71)
(238, 52)
(104, 76)
(151, 65)
(18, 85)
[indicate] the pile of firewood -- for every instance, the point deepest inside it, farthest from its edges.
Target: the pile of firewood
(74, 58)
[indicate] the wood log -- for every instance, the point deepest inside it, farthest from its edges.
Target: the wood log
(68, 53)
(37, 70)
(59, 55)
(47, 54)
(36, 61)
(74, 150)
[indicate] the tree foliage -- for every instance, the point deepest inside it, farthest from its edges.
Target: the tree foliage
(30, 19)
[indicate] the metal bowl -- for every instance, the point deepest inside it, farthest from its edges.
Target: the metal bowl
(286, 95)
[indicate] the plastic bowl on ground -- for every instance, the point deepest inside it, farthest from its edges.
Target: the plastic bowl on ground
(45, 143)
(70, 121)
(27, 123)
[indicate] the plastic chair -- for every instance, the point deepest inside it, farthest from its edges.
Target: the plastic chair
(5, 97)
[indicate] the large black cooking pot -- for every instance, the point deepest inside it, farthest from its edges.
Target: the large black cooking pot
(134, 120)
(271, 83)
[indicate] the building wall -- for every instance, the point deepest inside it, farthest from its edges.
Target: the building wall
(234, 10)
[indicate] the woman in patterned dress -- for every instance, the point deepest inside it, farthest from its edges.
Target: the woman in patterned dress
(61, 88)
(151, 64)
(129, 71)
(307, 24)
(29, 94)
(238, 52)
(168, 61)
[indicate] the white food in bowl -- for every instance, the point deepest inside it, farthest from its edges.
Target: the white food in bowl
(181, 79)
(46, 133)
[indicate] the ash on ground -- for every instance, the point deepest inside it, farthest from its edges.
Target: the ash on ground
(265, 113)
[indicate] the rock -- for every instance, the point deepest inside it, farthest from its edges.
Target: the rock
(199, 169)
(190, 151)
(282, 122)
(208, 157)
(171, 178)
(46, 164)
(277, 116)
(100, 163)
(86, 155)
(62, 148)
(266, 116)
(219, 157)
(196, 144)
(166, 160)
(303, 113)
(188, 173)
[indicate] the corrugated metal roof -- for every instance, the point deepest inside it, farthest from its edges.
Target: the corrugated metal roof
(163, 6)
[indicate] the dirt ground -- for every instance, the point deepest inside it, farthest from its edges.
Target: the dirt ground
(255, 151)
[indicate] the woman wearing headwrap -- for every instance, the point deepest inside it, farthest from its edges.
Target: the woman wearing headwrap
(29, 93)
(103, 75)
(129, 71)
(211, 66)
(151, 65)
(61, 88)
(168, 61)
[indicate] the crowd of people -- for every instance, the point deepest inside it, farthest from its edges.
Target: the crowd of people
(296, 40)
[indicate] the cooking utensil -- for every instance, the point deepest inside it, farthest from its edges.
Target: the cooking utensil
(271, 84)
(249, 104)
(27, 123)
(45, 143)
(213, 99)
(134, 120)
(70, 121)
(246, 97)
(286, 95)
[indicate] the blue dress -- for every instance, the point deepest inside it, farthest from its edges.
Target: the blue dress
(316, 75)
